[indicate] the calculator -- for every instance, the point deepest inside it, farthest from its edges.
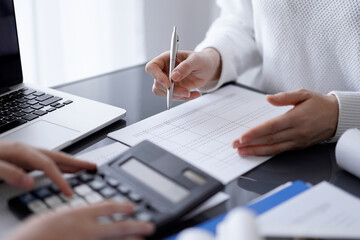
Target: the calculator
(162, 186)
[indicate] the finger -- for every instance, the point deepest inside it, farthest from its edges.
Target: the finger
(193, 95)
(32, 158)
(156, 68)
(282, 136)
(271, 126)
(108, 208)
(15, 176)
(67, 169)
(289, 98)
(125, 228)
(64, 159)
(266, 150)
(185, 68)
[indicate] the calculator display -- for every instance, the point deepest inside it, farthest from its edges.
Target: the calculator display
(154, 180)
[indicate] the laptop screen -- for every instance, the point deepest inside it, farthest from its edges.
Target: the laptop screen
(10, 65)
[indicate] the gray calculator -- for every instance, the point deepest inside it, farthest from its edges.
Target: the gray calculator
(162, 186)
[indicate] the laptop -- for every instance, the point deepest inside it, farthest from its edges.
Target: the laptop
(41, 117)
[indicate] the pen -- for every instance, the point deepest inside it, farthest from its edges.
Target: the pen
(173, 54)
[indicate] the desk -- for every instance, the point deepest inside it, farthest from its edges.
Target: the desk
(131, 89)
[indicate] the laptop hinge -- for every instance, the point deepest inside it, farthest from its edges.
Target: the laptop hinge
(4, 90)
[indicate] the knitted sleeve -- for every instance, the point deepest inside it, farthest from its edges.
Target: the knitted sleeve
(232, 35)
(349, 111)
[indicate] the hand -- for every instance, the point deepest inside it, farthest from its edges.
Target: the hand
(15, 157)
(82, 224)
(194, 70)
(312, 120)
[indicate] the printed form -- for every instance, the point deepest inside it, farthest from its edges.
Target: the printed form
(201, 131)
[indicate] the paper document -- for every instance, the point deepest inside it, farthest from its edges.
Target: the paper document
(323, 211)
(201, 131)
(348, 151)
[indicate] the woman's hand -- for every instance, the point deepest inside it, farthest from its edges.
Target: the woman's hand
(17, 157)
(82, 224)
(312, 120)
(194, 70)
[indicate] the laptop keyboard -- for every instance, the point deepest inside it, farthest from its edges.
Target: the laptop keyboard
(26, 104)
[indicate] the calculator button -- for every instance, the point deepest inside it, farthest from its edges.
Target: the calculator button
(83, 189)
(143, 216)
(61, 207)
(66, 198)
(113, 182)
(135, 197)
(73, 182)
(37, 206)
(42, 193)
(53, 201)
(117, 217)
(97, 184)
(93, 197)
(86, 177)
(77, 202)
(104, 220)
(124, 189)
(54, 188)
(26, 198)
(107, 192)
(119, 199)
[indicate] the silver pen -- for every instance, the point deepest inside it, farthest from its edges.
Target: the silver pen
(173, 54)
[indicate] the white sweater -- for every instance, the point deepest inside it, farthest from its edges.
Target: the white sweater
(292, 44)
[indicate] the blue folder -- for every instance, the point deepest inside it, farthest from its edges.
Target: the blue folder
(260, 206)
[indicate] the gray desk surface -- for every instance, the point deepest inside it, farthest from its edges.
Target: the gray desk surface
(131, 89)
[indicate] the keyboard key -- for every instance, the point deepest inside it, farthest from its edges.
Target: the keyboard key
(24, 105)
(51, 109)
(53, 201)
(28, 110)
(97, 184)
(61, 207)
(43, 193)
(30, 117)
(32, 102)
(11, 125)
(38, 93)
(28, 91)
(37, 206)
(59, 105)
(83, 190)
(107, 192)
(67, 102)
(117, 217)
(50, 101)
(54, 188)
(19, 114)
(104, 220)
(30, 97)
(21, 100)
(10, 118)
(40, 112)
(93, 197)
(44, 97)
(37, 106)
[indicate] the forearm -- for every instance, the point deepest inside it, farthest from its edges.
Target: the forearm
(232, 36)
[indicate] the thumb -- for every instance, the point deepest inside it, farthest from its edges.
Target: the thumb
(185, 68)
(15, 176)
(288, 98)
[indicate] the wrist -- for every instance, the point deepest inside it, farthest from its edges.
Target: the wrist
(216, 62)
(335, 116)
